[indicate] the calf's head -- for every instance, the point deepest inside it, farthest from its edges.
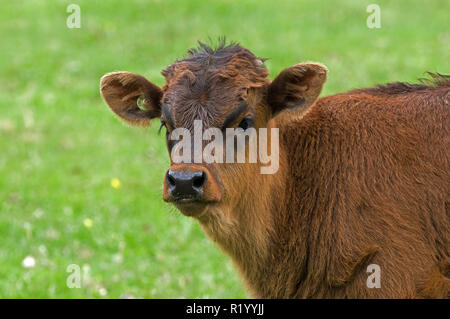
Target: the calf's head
(220, 88)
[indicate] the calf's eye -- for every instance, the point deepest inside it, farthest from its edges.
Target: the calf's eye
(246, 123)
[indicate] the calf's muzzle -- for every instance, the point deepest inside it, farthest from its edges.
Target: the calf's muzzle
(191, 187)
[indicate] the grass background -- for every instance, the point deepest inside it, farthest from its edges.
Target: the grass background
(60, 146)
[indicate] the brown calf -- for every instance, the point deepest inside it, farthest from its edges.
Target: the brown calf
(363, 178)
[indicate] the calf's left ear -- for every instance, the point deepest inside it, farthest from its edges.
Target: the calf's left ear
(297, 87)
(122, 91)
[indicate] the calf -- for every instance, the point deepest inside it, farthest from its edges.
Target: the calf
(363, 176)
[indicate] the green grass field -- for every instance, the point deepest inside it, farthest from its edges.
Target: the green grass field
(61, 146)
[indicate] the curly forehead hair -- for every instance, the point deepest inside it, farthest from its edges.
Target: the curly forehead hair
(225, 60)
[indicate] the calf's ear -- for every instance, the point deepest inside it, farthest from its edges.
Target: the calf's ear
(122, 91)
(297, 87)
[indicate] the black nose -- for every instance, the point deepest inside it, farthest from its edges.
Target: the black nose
(185, 184)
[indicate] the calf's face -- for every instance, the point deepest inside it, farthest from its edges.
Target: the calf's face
(210, 92)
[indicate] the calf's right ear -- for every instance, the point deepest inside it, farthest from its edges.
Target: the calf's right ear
(122, 90)
(297, 87)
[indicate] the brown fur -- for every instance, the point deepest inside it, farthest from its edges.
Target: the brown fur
(364, 176)
(369, 177)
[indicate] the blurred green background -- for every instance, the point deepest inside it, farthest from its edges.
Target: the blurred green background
(79, 187)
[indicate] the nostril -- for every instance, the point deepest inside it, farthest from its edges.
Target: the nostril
(170, 179)
(199, 180)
